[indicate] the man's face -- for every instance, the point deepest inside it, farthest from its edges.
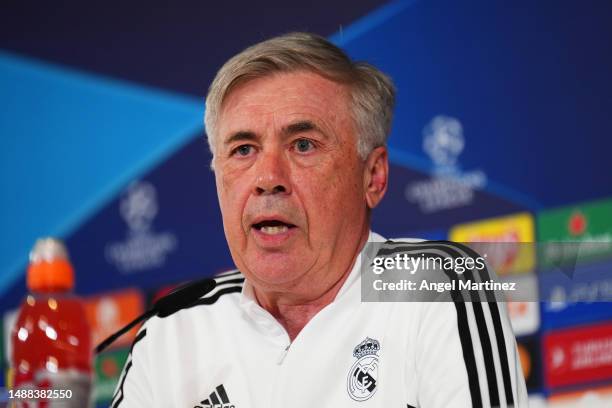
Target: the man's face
(290, 183)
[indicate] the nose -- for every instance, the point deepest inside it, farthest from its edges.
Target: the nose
(271, 174)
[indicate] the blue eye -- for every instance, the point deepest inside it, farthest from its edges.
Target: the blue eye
(243, 150)
(303, 145)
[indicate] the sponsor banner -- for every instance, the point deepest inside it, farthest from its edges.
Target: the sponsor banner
(109, 312)
(512, 229)
(528, 351)
(582, 296)
(524, 315)
(589, 223)
(108, 368)
(578, 356)
(591, 398)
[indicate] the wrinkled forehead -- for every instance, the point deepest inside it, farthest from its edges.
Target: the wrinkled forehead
(280, 97)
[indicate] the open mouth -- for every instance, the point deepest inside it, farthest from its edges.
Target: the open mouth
(273, 227)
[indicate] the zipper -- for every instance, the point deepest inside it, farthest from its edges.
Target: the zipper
(282, 355)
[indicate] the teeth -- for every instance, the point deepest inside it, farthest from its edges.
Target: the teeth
(277, 229)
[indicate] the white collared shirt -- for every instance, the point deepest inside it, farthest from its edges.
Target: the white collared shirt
(227, 351)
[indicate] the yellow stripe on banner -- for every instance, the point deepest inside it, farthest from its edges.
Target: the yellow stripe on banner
(512, 229)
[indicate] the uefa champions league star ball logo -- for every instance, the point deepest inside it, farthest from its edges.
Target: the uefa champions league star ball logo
(138, 206)
(143, 248)
(443, 140)
(362, 378)
(449, 186)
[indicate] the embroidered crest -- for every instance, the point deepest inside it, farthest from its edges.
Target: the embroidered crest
(363, 375)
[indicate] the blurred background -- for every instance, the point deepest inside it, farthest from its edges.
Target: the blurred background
(501, 133)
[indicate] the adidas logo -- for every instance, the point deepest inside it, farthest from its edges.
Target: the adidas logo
(217, 399)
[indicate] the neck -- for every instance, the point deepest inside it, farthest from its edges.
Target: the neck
(294, 315)
(294, 312)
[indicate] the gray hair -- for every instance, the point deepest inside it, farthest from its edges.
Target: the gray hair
(372, 92)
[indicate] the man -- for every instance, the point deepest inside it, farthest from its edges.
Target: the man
(298, 134)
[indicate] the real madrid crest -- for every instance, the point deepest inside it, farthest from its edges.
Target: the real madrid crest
(362, 378)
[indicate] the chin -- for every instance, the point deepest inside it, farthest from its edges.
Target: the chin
(275, 269)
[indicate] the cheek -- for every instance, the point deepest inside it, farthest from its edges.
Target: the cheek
(231, 192)
(348, 177)
(329, 189)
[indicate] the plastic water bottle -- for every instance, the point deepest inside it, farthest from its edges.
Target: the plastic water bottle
(51, 361)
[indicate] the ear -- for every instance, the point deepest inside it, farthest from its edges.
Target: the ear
(376, 176)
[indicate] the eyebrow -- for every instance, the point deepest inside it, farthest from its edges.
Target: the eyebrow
(291, 129)
(302, 126)
(240, 135)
